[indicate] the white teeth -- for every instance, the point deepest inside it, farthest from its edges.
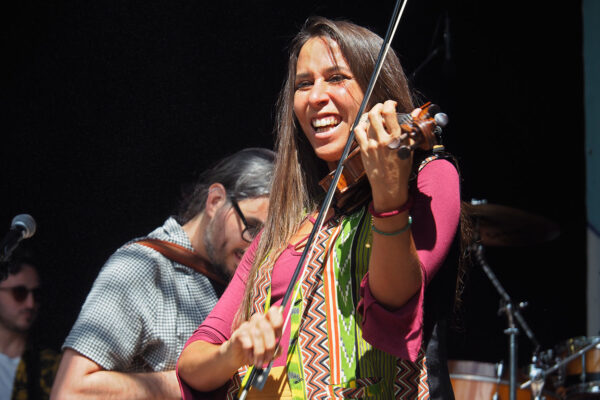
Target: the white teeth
(327, 121)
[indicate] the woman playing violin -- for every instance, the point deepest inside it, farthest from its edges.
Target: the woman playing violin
(357, 326)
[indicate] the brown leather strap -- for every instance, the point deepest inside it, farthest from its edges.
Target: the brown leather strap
(182, 256)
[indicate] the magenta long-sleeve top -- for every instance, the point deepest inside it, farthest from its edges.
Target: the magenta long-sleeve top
(435, 213)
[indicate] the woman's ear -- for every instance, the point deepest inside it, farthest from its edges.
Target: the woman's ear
(217, 197)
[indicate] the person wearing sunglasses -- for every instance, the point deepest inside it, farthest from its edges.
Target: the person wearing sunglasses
(152, 293)
(26, 368)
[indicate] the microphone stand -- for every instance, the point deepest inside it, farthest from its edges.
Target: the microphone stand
(507, 307)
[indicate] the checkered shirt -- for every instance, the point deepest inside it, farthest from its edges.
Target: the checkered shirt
(142, 308)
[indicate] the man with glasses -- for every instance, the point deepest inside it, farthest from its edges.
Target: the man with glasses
(154, 291)
(26, 369)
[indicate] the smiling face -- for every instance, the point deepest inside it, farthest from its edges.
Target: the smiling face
(326, 97)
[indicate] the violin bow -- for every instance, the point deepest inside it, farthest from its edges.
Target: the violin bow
(258, 376)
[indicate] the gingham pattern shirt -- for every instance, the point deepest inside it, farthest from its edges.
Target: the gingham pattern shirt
(142, 308)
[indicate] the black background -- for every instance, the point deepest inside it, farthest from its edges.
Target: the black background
(109, 107)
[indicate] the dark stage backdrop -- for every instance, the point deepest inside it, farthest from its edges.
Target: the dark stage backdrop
(110, 107)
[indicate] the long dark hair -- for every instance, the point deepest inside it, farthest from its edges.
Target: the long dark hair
(297, 168)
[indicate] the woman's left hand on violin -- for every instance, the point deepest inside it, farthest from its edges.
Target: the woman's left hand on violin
(388, 174)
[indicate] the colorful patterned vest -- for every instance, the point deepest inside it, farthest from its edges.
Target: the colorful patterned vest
(327, 357)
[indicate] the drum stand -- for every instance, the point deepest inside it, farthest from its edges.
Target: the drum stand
(538, 375)
(496, 225)
(507, 307)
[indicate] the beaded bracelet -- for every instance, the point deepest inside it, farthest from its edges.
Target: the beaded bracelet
(386, 214)
(399, 231)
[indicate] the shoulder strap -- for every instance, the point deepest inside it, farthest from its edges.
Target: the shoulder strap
(182, 256)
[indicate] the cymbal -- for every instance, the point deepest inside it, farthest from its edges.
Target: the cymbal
(505, 226)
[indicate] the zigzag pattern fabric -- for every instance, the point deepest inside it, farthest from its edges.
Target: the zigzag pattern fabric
(263, 296)
(314, 339)
(411, 379)
(327, 357)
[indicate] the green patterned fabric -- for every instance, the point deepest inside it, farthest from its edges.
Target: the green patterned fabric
(362, 370)
(327, 356)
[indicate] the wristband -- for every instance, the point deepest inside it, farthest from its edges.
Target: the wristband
(387, 214)
(399, 231)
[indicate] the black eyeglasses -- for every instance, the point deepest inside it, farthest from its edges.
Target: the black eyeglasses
(20, 293)
(250, 231)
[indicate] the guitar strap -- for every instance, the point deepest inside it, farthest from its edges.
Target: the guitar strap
(182, 256)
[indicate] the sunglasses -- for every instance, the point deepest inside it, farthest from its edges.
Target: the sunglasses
(250, 231)
(20, 293)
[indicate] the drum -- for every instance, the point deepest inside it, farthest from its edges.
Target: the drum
(477, 380)
(581, 376)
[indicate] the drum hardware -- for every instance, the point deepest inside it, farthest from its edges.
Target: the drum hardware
(539, 374)
(512, 313)
(475, 380)
(547, 358)
(499, 368)
(537, 378)
(496, 225)
(587, 369)
(583, 371)
(503, 226)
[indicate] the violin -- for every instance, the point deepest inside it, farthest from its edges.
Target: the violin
(425, 131)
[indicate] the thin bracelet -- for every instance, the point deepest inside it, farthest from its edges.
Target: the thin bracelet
(385, 214)
(399, 231)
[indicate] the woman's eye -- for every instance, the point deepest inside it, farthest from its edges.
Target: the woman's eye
(337, 78)
(303, 85)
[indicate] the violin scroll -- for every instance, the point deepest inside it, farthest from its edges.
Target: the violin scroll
(424, 130)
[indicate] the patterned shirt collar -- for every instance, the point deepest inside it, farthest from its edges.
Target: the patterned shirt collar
(174, 233)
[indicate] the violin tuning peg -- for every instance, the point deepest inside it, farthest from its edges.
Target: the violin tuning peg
(404, 152)
(431, 109)
(394, 144)
(441, 119)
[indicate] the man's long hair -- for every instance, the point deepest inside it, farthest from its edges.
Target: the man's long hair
(245, 174)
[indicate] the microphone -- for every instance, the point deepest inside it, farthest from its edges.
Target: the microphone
(22, 227)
